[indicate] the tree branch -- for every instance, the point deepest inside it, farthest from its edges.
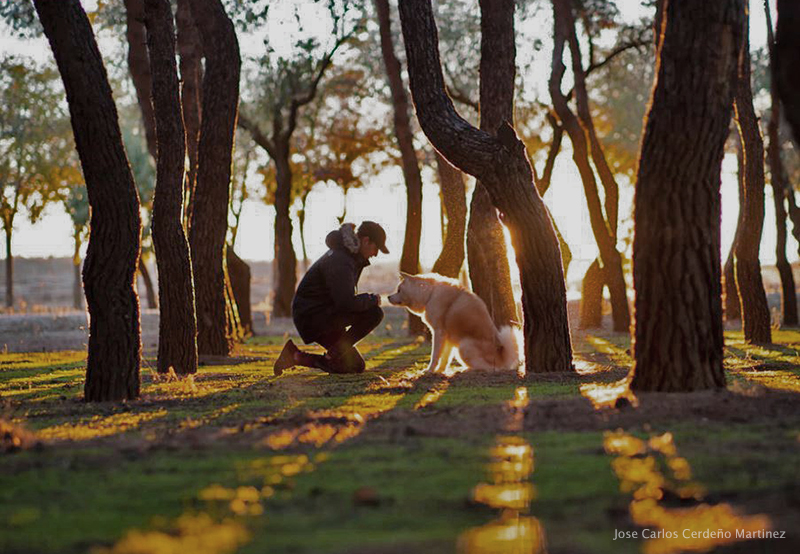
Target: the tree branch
(259, 138)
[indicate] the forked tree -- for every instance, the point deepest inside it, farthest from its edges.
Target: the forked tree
(112, 371)
(177, 325)
(501, 164)
(676, 263)
(752, 298)
(209, 223)
(487, 256)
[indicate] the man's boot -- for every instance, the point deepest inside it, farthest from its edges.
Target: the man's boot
(286, 359)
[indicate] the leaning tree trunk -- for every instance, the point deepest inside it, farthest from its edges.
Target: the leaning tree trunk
(409, 259)
(9, 268)
(139, 68)
(149, 289)
(240, 277)
(190, 55)
(603, 227)
(676, 265)
(755, 311)
(285, 257)
(177, 324)
(502, 165)
(732, 306)
(112, 371)
(454, 200)
(209, 223)
(779, 190)
(487, 256)
(77, 289)
(787, 60)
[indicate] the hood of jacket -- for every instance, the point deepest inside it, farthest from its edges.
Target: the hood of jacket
(344, 238)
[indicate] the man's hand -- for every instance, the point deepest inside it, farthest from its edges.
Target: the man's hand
(376, 298)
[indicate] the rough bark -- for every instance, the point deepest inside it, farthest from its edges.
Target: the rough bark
(112, 371)
(177, 325)
(9, 270)
(77, 289)
(787, 60)
(487, 255)
(501, 163)
(732, 306)
(676, 265)
(209, 221)
(591, 308)
(454, 200)
(603, 226)
(779, 190)
(190, 53)
(285, 257)
(149, 289)
(753, 299)
(139, 68)
(240, 277)
(409, 259)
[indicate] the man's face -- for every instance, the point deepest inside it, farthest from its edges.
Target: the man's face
(368, 249)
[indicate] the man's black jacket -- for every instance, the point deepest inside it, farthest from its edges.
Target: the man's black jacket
(329, 286)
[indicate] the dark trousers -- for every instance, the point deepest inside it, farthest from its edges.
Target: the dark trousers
(344, 332)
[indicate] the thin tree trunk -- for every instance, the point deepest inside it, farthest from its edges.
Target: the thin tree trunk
(240, 278)
(603, 227)
(77, 289)
(487, 255)
(190, 54)
(409, 259)
(233, 323)
(502, 165)
(285, 257)
(301, 223)
(787, 60)
(150, 291)
(9, 268)
(591, 310)
(177, 325)
(112, 371)
(755, 311)
(676, 265)
(209, 223)
(779, 189)
(139, 68)
(733, 308)
(454, 202)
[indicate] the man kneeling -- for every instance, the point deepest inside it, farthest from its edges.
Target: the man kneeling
(326, 309)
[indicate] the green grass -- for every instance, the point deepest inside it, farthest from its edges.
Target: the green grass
(387, 461)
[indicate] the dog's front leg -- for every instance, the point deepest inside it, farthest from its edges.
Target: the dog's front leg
(436, 350)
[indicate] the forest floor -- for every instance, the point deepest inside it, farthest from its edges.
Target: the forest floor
(399, 461)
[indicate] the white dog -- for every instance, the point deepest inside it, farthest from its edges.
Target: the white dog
(457, 319)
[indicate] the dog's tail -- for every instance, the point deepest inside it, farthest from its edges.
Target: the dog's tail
(509, 346)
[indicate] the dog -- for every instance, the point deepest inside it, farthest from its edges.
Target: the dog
(457, 319)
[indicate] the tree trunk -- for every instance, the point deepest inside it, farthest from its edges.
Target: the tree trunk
(190, 54)
(502, 165)
(779, 189)
(9, 268)
(676, 264)
(733, 309)
(150, 292)
(112, 371)
(209, 223)
(139, 68)
(177, 325)
(409, 259)
(755, 311)
(592, 297)
(301, 224)
(77, 289)
(233, 323)
(603, 227)
(487, 255)
(285, 257)
(787, 60)
(240, 277)
(454, 201)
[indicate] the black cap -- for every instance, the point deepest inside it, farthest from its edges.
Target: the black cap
(375, 233)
